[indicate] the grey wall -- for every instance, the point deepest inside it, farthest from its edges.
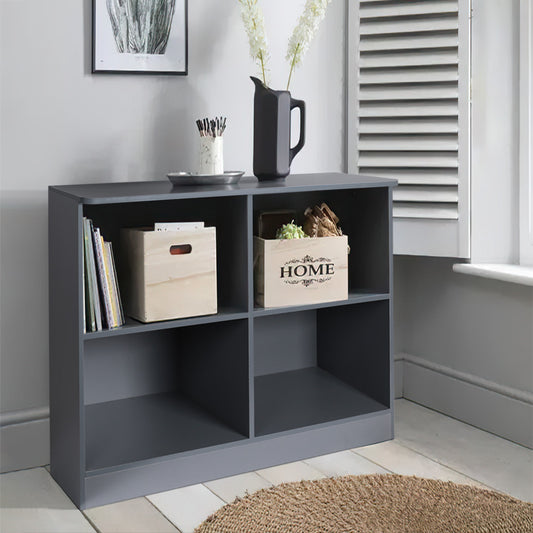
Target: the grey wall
(467, 345)
(63, 125)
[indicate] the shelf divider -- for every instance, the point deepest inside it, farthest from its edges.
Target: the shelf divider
(354, 297)
(134, 326)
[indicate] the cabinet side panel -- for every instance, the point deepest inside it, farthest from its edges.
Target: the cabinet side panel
(66, 326)
(391, 313)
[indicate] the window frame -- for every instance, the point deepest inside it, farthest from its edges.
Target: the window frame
(526, 134)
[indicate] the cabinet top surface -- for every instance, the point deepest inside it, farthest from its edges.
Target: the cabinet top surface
(137, 191)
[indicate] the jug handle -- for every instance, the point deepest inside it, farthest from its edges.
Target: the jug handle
(301, 105)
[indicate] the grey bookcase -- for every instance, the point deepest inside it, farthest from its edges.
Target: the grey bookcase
(150, 407)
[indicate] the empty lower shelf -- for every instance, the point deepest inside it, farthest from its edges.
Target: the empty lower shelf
(300, 398)
(144, 427)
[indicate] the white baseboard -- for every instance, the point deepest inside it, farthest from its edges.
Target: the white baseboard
(398, 378)
(501, 410)
(24, 439)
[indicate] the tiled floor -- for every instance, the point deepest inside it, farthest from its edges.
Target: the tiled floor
(427, 444)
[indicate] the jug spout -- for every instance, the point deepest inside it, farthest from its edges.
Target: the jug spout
(259, 85)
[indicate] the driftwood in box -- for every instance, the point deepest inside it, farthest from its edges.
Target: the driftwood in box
(300, 271)
(169, 274)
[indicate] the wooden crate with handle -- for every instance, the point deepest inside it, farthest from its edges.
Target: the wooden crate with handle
(169, 274)
(300, 271)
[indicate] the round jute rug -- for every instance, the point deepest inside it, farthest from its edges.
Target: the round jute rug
(371, 504)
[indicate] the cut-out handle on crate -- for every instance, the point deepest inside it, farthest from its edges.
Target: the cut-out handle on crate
(180, 249)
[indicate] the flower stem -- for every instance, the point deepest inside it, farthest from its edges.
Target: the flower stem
(293, 62)
(260, 55)
(263, 68)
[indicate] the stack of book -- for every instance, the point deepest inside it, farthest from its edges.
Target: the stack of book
(103, 307)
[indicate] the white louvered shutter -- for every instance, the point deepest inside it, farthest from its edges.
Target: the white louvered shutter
(409, 115)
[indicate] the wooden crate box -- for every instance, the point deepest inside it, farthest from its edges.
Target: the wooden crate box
(169, 274)
(300, 271)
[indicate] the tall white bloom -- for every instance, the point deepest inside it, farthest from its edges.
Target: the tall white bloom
(254, 24)
(314, 13)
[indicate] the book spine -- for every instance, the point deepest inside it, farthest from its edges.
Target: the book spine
(93, 276)
(90, 319)
(112, 296)
(84, 300)
(84, 270)
(99, 256)
(117, 287)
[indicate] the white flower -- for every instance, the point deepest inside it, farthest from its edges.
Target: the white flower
(314, 13)
(254, 24)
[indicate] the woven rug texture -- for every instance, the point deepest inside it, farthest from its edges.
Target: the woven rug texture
(370, 504)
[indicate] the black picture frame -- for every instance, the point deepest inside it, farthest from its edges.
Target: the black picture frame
(160, 52)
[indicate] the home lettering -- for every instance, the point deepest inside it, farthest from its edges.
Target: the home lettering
(307, 270)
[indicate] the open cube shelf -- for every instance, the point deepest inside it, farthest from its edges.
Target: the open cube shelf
(226, 214)
(150, 407)
(313, 367)
(165, 392)
(363, 218)
(146, 427)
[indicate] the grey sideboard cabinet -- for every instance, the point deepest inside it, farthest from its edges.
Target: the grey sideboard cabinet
(151, 407)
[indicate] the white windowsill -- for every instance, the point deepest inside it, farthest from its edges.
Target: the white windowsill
(511, 273)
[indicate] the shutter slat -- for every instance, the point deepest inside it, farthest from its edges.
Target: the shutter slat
(415, 8)
(415, 176)
(408, 109)
(408, 159)
(408, 143)
(416, 42)
(407, 26)
(380, 60)
(425, 194)
(430, 211)
(406, 75)
(406, 125)
(412, 92)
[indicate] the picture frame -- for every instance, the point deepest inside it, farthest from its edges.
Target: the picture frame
(140, 37)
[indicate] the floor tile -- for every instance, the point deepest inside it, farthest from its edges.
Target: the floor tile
(297, 471)
(344, 464)
(187, 507)
(401, 460)
(33, 502)
(233, 487)
(131, 516)
(494, 461)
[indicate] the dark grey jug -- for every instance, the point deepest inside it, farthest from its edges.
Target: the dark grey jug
(273, 154)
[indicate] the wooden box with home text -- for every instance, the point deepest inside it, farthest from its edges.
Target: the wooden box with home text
(300, 271)
(169, 274)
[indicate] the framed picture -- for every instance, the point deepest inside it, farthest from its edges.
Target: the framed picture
(140, 36)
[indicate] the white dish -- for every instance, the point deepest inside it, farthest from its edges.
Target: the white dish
(230, 177)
